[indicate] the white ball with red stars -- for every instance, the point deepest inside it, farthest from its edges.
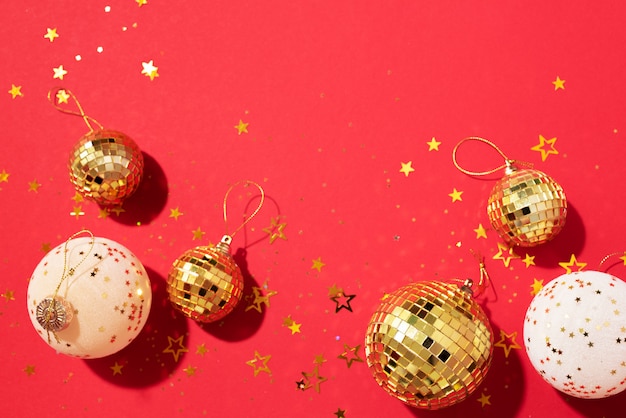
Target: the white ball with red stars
(575, 334)
(89, 297)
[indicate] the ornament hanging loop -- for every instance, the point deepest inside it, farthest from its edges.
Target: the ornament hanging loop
(246, 218)
(478, 288)
(54, 96)
(606, 257)
(508, 165)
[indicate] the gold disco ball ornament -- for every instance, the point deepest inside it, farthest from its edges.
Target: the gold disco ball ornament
(429, 344)
(527, 207)
(106, 166)
(205, 283)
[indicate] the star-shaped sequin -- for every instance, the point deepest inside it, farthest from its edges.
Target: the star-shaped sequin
(117, 368)
(567, 265)
(433, 145)
(51, 34)
(541, 147)
(62, 96)
(201, 350)
(318, 264)
(342, 301)
(456, 195)
(29, 370)
(502, 249)
(190, 370)
(314, 380)
(507, 342)
(559, 84)
(260, 298)
(59, 72)
(242, 127)
(16, 91)
(150, 70)
(8, 295)
(484, 399)
(197, 234)
(340, 413)
(178, 351)
(276, 229)
(259, 363)
(141, 2)
(351, 354)
(536, 286)
(529, 260)
(623, 258)
(406, 168)
(480, 232)
(4, 178)
(34, 186)
(175, 213)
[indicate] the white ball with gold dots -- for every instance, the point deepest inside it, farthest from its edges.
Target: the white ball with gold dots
(89, 297)
(575, 334)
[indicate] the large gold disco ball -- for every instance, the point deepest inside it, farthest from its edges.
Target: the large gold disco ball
(106, 166)
(205, 283)
(527, 207)
(429, 344)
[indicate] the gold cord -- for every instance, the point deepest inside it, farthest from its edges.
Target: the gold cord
(52, 98)
(507, 161)
(249, 218)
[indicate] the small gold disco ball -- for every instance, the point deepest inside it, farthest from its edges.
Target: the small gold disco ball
(205, 283)
(429, 344)
(106, 166)
(527, 207)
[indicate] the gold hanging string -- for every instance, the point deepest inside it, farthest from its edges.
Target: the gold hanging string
(469, 285)
(507, 161)
(249, 218)
(606, 257)
(67, 272)
(52, 98)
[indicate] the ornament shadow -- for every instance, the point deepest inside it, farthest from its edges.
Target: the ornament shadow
(149, 199)
(244, 321)
(252, 238)
(571, 240)
(143, 362)
(595, 407)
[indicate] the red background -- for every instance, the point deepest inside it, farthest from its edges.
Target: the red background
(336, 96)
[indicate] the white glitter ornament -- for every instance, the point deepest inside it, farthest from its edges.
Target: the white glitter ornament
(575, 334)
(89, 297)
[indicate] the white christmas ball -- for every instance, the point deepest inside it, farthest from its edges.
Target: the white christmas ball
(100, 305)
(575, 334)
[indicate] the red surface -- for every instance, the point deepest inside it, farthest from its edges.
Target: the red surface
(336, 96)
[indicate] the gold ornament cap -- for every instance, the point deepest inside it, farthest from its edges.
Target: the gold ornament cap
(54, 314)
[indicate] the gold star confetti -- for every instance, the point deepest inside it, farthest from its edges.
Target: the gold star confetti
(540, 147)
(51, 34)
(501, 250)
(536, 286)
(141, 2)
(78, 197)
(15, 91)
(117, 368)
(190, 370)
(201, 350)
(4, 178)
(59, 72)
(175, 213)
(340, 413)
(314, 380)
(34, 186)
(117, 210)
(623, 258)
(294, 327)
(342, 301)
(276, 229)
(178, 351)
(104, 213)
(318, 264)
(406, 168)
(484, 399)
(433, 145)
(351, 354)
(455, 195)
(8, 295)
(480, 232)
(150, 70)
(260, 298)
(572, 262)
(62, 96)
(559, 84)
(529, 260)
(241, 127)
(198, 234)
(29, 370)
(334, 291)
(319, 359)
(77, 211)
(507, 342)
(262, 367)
(46, 247)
